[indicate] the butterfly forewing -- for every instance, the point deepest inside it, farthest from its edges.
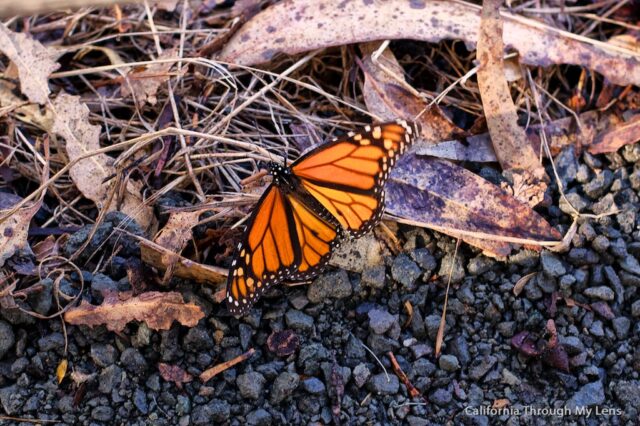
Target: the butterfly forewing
(268, 252)
(347, 175)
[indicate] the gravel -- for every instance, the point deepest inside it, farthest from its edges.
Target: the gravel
(595, 286)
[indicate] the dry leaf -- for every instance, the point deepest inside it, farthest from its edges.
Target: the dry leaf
(178, 231)
(61, 371)
(301, 25)
(34, 61)
(161, 258)
(144, 84)
(91, 171)
(14, 229)
(174, 374)
(500, 403)
(517, 289)
(509, 140)
(445, 197)
(157, 310)
(388, 96)
(612, 139)
(26, 112)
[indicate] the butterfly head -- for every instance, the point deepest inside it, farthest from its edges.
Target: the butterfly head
(279, 172)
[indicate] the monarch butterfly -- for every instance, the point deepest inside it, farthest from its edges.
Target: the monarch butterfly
(333, 191)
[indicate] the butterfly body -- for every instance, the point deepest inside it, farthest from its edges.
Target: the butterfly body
(334, 191)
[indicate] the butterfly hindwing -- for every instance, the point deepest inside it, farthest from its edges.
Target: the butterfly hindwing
(347, 175)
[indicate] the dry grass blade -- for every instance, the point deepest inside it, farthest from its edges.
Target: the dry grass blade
(443, 318)
(157, 310)
(34, 62)
(413, 392)
(217, 369)
(301, 25)
(522, 282)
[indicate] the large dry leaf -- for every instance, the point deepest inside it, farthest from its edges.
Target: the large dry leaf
(159, 257)
(14, 229)
(509, 140)
(34, 62)
(144, 84)
(445, 197)
(388, 96)
(93, 173)
(513, 150)
(157, 310)
(300, 25)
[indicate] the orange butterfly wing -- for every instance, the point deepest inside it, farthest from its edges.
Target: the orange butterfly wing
(268, 252)
(347, 176)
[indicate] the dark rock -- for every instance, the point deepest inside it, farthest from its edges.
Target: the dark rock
(283, 386)
(380, 321)
(216, 411)
(383, 384)
(601, 292)
(381, 344)
(630, 264)
(582, 256)
(245, 331)
(334, 285)
(374, 277)
(355, 348)
(110, 378)
(140, 401)
(635, 309)
(587, 395)
(441, 397)
(459, 347)
(453, 267)
(361, 375)
(448, 363)
(551, 264)
(572, 344)
(102, 284)
(572, 201)
(11, 399)
(405, 271)
(310, 357)
(479, 265)
(251, 384)
(599, 185)
(51, 342)
(597, 329)
(102, 413)
(567, 165)
(133, 361)
(103, 355)
(424, 259)
(628, 392)
(196, 340)
(481, 367)
(7, 338)
(299, 321)
(621, 326)
(313, 386)
(259, 417)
